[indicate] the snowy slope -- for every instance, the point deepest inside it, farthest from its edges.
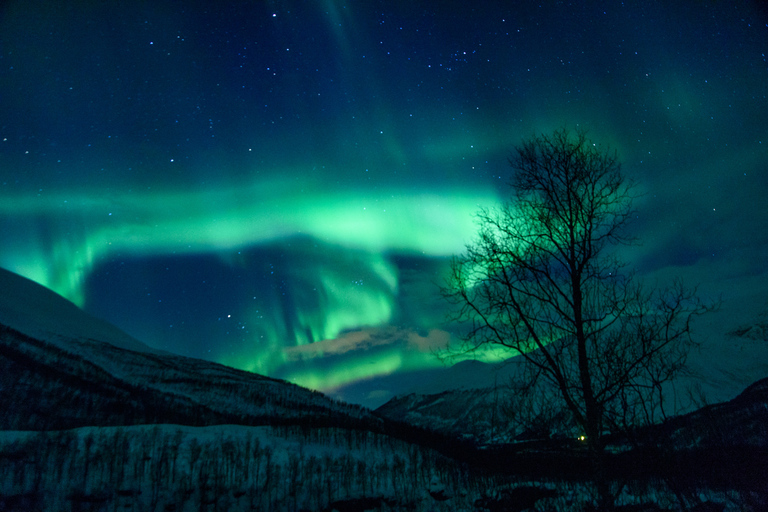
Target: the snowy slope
(742, 421)
(41, 313)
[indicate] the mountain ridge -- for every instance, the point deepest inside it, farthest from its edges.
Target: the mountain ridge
(117, 386)
(34, 310)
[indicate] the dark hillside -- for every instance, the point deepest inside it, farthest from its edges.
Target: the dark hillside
(46, 387)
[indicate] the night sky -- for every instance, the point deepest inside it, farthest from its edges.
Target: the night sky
(278, 186)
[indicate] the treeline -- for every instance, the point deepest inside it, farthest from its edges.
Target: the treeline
(226, 468)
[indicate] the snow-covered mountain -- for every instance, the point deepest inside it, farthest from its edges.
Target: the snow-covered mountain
(36, 311)
(62, 368)
(737, 423)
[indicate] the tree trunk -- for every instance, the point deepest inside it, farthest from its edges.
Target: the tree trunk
(602, 483)
(592, 413)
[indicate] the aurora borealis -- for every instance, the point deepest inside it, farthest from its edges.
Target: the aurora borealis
(278, 185)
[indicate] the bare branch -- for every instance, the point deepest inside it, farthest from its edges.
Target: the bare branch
(538, 281)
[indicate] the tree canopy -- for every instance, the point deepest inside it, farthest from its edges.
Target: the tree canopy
(540, 280)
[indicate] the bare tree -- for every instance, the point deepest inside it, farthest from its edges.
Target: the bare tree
(540, 281)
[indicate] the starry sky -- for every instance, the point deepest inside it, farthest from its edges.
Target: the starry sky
(279, 185)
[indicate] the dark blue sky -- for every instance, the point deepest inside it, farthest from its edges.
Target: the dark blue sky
(278, 185)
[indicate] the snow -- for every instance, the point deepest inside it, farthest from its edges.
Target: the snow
(152, 467)
(236, 468)
(41, 313)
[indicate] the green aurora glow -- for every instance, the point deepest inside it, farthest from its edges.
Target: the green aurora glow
(364, 228)
(89, 229)
(278, 185)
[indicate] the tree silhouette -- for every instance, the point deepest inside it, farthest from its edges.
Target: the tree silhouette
(540, 281)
